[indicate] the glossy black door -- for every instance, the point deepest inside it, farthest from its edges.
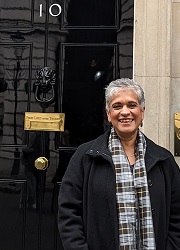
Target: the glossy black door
(29, 37)
(87, 44)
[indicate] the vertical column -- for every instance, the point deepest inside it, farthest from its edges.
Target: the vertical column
(152, 60)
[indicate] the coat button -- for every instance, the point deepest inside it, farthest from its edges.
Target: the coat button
(150, 183)
(153, 211)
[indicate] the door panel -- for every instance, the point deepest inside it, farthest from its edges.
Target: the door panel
(17, 15)
(87, 70)
(79, 14)
(13, 220)
(15, 73)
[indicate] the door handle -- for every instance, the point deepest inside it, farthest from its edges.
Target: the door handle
(41, 163)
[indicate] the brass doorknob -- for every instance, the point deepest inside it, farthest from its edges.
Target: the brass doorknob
(41, 163)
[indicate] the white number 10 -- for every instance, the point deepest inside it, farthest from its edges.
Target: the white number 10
(50, 10)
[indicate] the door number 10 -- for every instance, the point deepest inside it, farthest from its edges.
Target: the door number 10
(51, 10)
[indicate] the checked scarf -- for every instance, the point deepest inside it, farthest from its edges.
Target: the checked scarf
(136, 230)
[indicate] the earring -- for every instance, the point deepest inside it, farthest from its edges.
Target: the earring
(141, 123)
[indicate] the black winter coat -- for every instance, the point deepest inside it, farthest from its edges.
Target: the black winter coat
(87, 217)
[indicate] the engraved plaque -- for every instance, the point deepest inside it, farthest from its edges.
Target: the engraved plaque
(177, 134)
(44, 121)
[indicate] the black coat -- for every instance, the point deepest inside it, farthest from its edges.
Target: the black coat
(87, 218)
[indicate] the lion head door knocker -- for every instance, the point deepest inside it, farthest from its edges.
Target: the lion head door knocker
(44, 87)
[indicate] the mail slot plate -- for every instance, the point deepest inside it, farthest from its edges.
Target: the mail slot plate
(44, 121)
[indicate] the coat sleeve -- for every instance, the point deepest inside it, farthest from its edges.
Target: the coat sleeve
(70, 208)
(173, 241)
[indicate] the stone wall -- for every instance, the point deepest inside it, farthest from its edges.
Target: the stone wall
(156, 66)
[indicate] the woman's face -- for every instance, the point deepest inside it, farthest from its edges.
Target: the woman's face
(125, 113)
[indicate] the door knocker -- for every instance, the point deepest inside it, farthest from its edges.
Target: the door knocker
(44, 87)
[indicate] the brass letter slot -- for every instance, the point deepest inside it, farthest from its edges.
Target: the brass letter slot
(177, 134)
(44, 121)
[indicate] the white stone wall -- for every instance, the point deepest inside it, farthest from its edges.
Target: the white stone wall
(156, 66)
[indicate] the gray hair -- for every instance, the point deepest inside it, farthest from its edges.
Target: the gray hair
(123, 84)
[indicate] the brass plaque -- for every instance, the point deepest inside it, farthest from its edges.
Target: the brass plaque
(44, 121)
(177, 134)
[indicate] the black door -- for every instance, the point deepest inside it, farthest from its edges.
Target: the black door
(55, 57)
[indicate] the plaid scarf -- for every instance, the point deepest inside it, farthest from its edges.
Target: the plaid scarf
(133, 202)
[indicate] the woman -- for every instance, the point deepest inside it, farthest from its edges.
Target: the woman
(121, 191)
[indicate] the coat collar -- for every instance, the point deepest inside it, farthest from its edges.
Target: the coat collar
(100, 146)
(154, 152)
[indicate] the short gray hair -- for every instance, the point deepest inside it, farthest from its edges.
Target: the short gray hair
(123, 84)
